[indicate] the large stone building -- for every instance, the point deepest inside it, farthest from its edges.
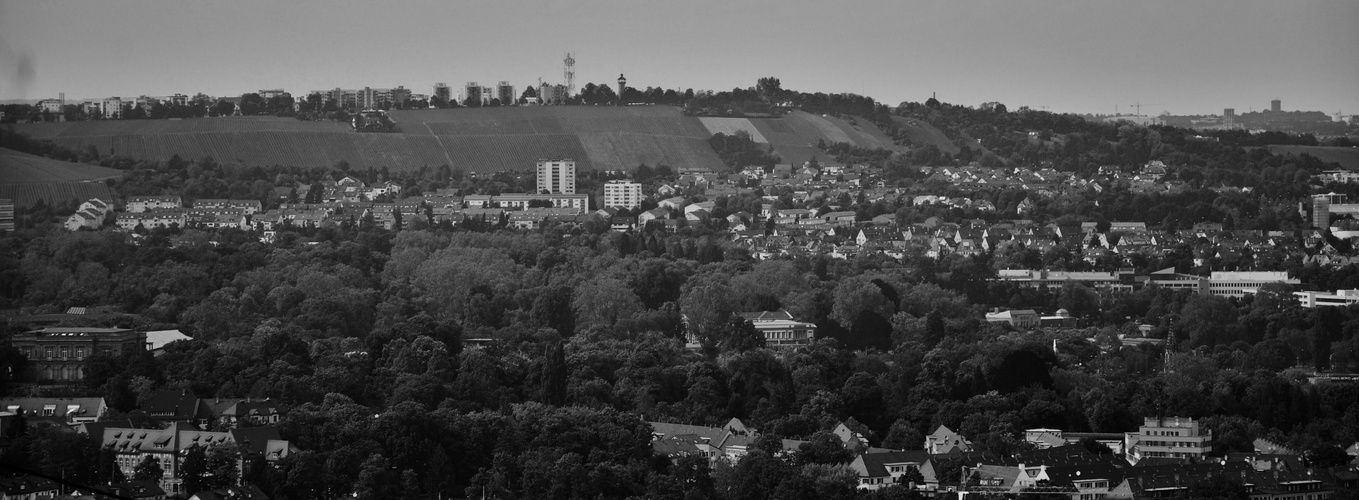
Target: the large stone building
(58, 354)
(557, 176)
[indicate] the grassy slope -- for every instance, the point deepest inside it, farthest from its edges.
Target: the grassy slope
(26, 179)
(1348, 158)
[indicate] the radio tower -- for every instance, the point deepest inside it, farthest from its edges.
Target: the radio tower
(570, 74)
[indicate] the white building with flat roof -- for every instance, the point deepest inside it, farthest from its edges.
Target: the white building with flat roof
(1172, 437)
(1239, 284)
(1338, 298)
(557, 176)
(623, 194)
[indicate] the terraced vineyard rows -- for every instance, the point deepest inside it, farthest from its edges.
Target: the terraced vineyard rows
(26, 195)
(480, 140)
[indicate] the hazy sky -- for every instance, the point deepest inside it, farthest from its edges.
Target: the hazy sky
(1182, 56)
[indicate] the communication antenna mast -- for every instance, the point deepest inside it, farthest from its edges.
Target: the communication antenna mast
(570, 74)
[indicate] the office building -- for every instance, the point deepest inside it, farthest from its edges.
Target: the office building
(623, 194)
(557, 176)
(1172, 437)
(1338, 298)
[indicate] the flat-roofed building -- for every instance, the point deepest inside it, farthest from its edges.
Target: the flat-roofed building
(1338, 298)
(1172, 437)
(557, 176)
(1239, 284)
(623, 194)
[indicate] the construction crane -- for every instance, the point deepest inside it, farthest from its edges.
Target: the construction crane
(1140, 104)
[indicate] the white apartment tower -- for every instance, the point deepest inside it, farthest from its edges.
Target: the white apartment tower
(557, 176)
(623, 194)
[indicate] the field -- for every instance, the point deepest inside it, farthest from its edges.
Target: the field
(26, 179)
(477, 140)
(1348, 158)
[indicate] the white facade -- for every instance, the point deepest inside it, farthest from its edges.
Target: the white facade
(113, 107)
(1238, 284)
(623, 194)
(1172, 437)
(557, 176)
(1339, 298)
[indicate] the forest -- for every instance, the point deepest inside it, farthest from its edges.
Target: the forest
(588, 346)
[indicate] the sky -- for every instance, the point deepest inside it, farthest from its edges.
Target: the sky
(1079, 56)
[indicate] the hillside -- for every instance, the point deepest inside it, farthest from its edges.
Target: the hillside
(1348, 158)
(478, 140)
(26, 179)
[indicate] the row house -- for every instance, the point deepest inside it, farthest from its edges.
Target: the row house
(138, 204)
(249, 207)
(161, 217)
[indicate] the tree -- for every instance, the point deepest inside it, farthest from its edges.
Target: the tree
(193, 470)
(148, 469)
(252, 104)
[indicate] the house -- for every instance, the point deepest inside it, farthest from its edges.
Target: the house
(245, 492)
(83, 219)
(730, 441)
(943, 440)
(28, 487)
(1007, 479)
(653, 214)
(251, 412)
(878, 470)
(177, 406)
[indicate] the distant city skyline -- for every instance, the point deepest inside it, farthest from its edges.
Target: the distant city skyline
(1188, 58)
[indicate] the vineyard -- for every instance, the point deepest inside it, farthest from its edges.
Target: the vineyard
(26, 179)
(730, 126)
(476, 140)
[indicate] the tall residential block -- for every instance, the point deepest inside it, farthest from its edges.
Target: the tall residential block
(623, 194)
(1276, 105)
(557, 176)
(505, 92)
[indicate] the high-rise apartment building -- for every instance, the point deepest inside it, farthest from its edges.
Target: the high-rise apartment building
(557, 176)
(505, 92)
(1276, 105)
(442, 92)
(472, 93)
(623, 194)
